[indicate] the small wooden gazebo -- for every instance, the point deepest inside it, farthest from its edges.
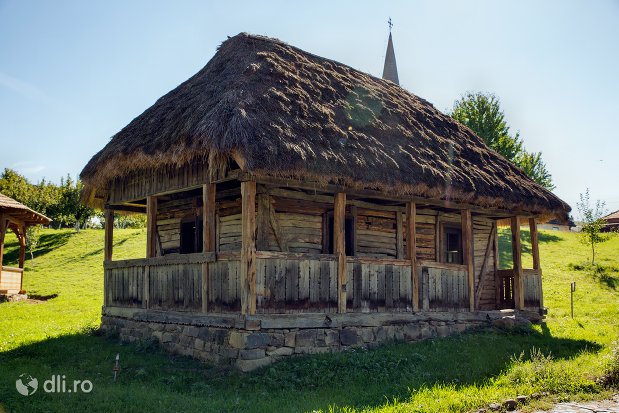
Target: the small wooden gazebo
(16, 217)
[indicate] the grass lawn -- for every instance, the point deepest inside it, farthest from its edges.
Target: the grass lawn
(563, 356)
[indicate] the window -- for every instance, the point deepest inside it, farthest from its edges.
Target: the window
(452, 245)
(191, 235)
(349, 235)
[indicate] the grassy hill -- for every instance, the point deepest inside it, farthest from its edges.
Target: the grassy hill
(57, 336)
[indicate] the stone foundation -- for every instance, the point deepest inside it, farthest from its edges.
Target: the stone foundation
(250, 342)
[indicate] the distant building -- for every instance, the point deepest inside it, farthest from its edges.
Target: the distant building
(612, 222)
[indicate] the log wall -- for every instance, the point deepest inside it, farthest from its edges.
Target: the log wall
(169, 217)
(483, 251)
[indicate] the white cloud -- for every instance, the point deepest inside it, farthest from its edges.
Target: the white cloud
(23, 88)
(26, 167)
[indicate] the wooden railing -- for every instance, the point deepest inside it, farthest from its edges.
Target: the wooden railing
(170, 282)
(532, 281)
(378, 285)
(443, 287)
(532, 288)
(11, 279)
(506, 288)
(289, 282)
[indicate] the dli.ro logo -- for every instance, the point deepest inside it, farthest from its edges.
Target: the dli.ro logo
(27, 385)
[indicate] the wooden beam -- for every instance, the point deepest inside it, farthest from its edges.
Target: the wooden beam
(411, 251)
(109, 235)
(127, 208)
(399, 233)
(21, 236)
(209, 231)
(4, 224)
(467, 254)
(497, 280)
(339, 241)
(534, 243)
(517, 259)
(248, 247)
(151, 227)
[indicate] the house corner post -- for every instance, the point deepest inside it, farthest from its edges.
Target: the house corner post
(208, 236)
(411, 251)
(248, 247)
(339, 241)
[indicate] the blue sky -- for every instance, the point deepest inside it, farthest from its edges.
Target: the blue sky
(73, 73)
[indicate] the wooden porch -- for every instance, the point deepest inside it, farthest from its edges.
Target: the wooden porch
(246, 270)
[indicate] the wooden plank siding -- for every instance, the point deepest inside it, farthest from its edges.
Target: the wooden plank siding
(483, 231)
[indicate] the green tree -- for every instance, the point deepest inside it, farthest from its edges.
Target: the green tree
(482, 113)
(592, 222)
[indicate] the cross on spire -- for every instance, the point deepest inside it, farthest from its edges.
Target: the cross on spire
(390, 24)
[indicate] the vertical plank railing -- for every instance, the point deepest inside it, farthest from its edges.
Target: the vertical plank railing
(339, 217)
(517, 259)
(248, 247)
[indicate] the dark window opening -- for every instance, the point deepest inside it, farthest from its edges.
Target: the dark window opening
(453, 245)
(349, 236)
(191, 235)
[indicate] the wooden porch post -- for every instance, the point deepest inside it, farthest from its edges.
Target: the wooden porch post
(208, 235)
(109, 235)
(536, 261)
(517, 258)
(534, 243)
(21, 236)
(467, 252)
(411, 251)
(248, 247)
(339, 243)
(151, 226)
(4, 224)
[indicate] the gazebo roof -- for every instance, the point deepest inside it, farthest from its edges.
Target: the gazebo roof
(19, 211)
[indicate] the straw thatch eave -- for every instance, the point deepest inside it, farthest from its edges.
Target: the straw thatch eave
(281, 112)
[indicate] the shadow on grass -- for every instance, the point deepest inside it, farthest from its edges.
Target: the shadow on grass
(151, 380)
(505, 244)
(47, 243)
(604, 274)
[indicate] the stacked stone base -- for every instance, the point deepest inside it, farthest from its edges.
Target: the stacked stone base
(255, 341)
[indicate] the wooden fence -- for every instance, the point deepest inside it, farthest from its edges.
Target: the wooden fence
(11, 279)
(293, 283)
(443, 287)
(532, 280)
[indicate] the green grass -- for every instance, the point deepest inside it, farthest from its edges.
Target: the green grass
(564, 356)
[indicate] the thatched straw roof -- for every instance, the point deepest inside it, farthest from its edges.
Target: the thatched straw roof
(280, 111)
(12, 208)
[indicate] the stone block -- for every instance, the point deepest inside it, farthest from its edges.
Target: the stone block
(252, 324)
(253, 354)
(290, 339)
(311, 350)
(411, 332)
(237, 339)
(249, 365)
(198, 344)
(257, 340)
(348, 337)
(280, 352)
(305, 338)
(167, 338)
(191, 331)
(443, 331)
(332, 337)
(367, 335)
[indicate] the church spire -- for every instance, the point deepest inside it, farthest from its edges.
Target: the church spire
(390, 71)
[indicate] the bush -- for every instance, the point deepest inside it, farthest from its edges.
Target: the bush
(611, 375)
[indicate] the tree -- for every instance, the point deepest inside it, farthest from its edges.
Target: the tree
(32, 239)
(482, 113)
(592, 222)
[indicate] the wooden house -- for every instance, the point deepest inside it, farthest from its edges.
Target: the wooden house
(611, 222)
(295, 204)
(16, 217)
